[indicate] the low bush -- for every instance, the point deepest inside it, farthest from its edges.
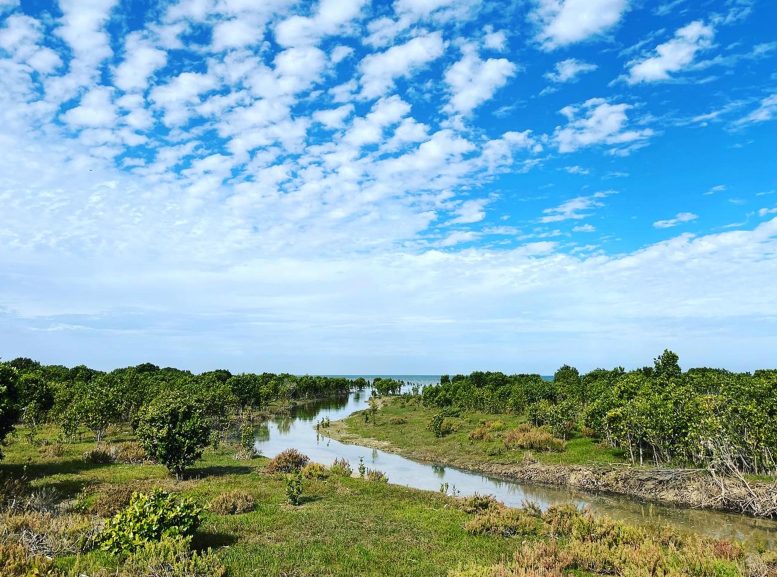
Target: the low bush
(130, 453)
(100, 455)
(341, 468)
(232, 503)
(288, 461)
(315, 471)
(378, 476)
(150, 517)
(525, 437)
(397, 421)
(171, 557)
(294, 488)
(559, 520)
(502, 521)
(478, 503)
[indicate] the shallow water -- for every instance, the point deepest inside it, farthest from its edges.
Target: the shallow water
(298, 431)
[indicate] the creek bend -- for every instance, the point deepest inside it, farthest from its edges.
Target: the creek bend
(298, 430)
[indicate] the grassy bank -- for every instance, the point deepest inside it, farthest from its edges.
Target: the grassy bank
(476, 441)
(345, 526)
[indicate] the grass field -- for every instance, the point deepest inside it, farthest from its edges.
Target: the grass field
(345, 526)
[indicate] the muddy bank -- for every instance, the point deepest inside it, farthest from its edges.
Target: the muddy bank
(683, 487)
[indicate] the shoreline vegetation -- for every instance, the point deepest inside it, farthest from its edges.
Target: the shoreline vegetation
(149, 471)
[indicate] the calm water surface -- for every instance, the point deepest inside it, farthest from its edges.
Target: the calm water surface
(298, 430)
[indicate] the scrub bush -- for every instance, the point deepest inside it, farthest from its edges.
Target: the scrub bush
(150, 517)
(232, 503)
(288, 461)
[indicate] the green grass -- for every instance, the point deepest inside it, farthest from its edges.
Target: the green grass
(415, 440)
(345, 526)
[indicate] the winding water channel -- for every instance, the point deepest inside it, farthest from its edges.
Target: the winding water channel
(298, 430)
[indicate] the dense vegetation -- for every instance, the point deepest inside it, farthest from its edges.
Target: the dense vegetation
(148, 398)
(708, 417)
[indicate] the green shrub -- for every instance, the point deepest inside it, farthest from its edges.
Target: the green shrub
(294, 488)
(378, 476)
(315, 471)
(397, 421)
(288, 461)
(232, 503)
(173, 430)
(341, 468)
(171, 557)
(150, 517)
(441, 426)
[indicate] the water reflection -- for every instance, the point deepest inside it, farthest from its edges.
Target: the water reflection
(298, 430)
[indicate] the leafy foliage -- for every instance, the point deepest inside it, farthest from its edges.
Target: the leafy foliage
(705, 417)
(9, 410)
(294, 488)
(173, 431)
(150, 517)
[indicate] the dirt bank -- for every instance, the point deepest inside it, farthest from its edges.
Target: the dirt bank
(685, 487)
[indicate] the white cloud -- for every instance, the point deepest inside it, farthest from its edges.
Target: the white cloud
(715, 189)
(584, 228)
(767, 110)
(564, 22)
(473, 81)
(470, 211)
(495, 40)
(340, 53)
(177, 96)
(568, 70)
(8, 4)
(141, 60)
(597, 122)
(674, 55)
(331, 17)
(574, 209)
(333, 117)
(379, 71)
(680, 218)
(82, 27)
(576, 169)
(95, 110)
(767, 211)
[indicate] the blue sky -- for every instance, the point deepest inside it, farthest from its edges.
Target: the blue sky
(401, 186)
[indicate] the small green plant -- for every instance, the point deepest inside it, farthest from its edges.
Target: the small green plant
(378, 476)
(362, 468)
(150, 517)
(294, 488)
(341, 467)
(397, 421)
(247, 437)
(232, 503)
(288, 461)
(439, 426)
